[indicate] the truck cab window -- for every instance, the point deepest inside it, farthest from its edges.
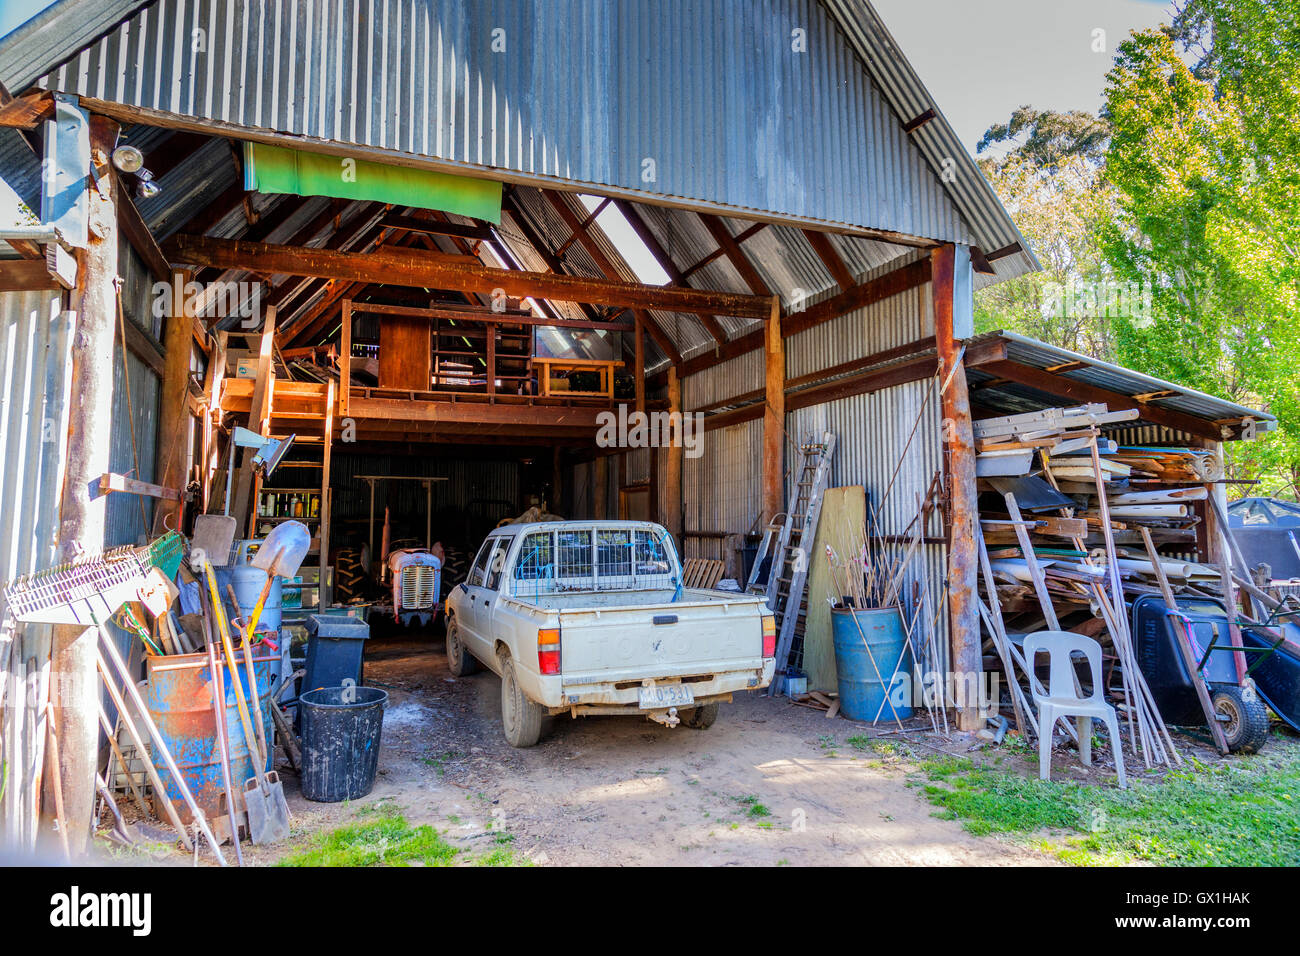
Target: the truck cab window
(477, 573)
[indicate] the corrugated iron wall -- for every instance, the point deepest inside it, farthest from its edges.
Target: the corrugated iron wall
(717, 94)
(35, 377)
(723, 489)
(123, 521)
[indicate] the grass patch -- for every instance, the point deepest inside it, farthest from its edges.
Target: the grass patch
(752, 807)
(382, 838)
(1241, 812)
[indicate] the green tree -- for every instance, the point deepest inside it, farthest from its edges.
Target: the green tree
(1046, 168)
(1204, 164)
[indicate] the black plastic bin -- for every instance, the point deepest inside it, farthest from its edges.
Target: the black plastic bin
(336, 644)
(341, 728)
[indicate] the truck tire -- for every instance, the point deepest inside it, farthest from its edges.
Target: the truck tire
(702, 717)
(521, 718)
(460, 662)
(1246, 729)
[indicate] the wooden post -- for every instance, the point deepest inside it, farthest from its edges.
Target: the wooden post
(673, 486)
(325, 590)
(638, 367)
(600, 489)
(173, 446)
(259, 421)
(491, 358)
(774, 416)
(74, 688)
(963, 562)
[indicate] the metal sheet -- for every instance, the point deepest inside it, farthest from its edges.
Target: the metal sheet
(35, 377)
(735, 116)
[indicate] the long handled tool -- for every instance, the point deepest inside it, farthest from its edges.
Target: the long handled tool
(219, 712)
(281, 554)
(264, 802)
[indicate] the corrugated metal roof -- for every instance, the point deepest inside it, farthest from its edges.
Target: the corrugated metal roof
(1013, 398)
(729, 112)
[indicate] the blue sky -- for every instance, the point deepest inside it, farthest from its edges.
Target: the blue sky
(14, 13)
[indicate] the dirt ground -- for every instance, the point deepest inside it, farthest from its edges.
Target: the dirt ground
(625, 791)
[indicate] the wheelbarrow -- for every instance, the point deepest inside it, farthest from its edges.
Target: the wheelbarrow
(1240, 712)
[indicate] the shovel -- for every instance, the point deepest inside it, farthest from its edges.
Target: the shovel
(281, 554)
(268, 811)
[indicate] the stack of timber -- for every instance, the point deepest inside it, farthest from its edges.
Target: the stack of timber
(1066, 516)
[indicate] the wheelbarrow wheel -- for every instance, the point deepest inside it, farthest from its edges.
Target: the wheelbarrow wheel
(1246, 728)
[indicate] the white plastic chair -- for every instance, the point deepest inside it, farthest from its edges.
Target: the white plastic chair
(1062, 699)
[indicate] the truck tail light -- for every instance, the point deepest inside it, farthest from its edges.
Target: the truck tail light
(769, 635)
(548, 650)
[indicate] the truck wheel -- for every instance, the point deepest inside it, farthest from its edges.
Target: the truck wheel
(521, 718)
(702, 717)
(1246, 728)
(460, 662)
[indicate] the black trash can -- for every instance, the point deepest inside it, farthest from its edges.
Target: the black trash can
(341, 727)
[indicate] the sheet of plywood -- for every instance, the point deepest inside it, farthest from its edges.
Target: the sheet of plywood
(405, 353)
(842, 519)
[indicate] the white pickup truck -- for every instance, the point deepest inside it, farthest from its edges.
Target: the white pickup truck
(591, 617)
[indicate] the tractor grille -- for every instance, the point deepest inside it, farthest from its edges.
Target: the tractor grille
(419, 588)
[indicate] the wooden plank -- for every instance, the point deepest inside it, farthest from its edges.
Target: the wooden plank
(844, 512)
(1031, 559)
(110, 482)
(26, 275)
(435, 227)
(405, 353)
(25, 111)
(731, 248)
(404, 267)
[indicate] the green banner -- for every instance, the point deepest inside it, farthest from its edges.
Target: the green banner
(274, 169)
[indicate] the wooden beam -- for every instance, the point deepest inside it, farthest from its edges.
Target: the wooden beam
(138, 235)
(606, 266)
(821, 244)
(435, 271)
(470, 314)
(171, 459)
(661, 256)
(774, 415)
(963, 524)
(433, 227)
(259, 420)
(1062, 387)
(731, 248)
(718, 253)
(25, 111)
(860, 296)
(110, 482)
(26, 275)
(673, 506)
(143, 347)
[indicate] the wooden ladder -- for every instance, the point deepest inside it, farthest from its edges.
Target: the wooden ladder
(786, 585)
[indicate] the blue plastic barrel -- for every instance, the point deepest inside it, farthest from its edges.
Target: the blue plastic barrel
(248, 582)
(862, 689)
(179, 697)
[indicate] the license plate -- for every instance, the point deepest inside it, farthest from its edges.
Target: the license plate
(666, 695)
